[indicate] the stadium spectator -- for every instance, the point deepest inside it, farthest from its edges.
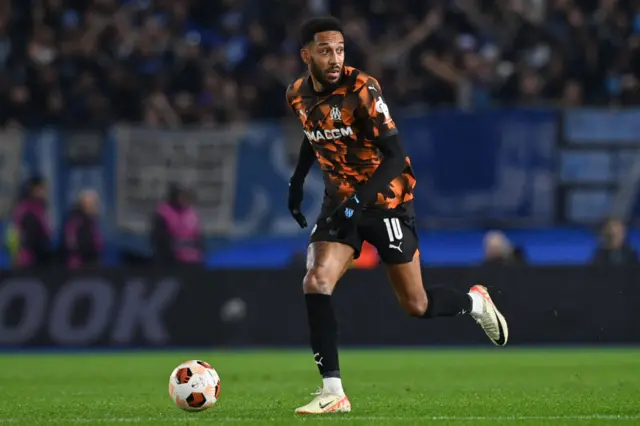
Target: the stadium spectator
(82, 240)
(202, 62)
(614, 249)
(498, 250)
(176, 235)
(31, 230)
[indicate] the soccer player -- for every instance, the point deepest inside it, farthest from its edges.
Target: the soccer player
(369, 191)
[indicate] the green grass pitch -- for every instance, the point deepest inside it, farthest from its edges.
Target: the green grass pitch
(386, 387)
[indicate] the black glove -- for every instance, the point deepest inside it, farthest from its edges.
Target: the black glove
(296, 193)
(345, 217)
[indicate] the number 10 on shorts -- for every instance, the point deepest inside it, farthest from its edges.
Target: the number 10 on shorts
(394, 229)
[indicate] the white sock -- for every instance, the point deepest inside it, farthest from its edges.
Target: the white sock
(477, 303)
(332, 385)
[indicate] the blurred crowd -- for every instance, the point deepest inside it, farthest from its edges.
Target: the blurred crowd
(187, 62)
(613, 248)
(177, 237)
(175, 232)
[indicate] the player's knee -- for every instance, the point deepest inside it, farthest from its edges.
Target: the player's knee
(416, 306)
(318, 281)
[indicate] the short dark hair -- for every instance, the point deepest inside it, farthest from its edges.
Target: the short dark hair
(317, 25)
(35, 181)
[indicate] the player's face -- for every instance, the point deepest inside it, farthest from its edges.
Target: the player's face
(325, 57)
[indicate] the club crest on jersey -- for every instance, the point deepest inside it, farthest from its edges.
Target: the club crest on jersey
(328, 134)
(335, 114)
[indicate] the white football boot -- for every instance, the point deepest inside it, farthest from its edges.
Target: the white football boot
(490, 318)
(326, 403)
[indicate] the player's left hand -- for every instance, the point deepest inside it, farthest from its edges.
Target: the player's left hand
(345, 217)
(295, 203)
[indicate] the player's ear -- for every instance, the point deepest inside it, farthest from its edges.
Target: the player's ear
(304, 54)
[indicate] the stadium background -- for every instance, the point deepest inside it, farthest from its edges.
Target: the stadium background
(519, 115)
(528, 126)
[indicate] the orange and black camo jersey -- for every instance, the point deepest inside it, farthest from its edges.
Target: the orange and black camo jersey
(343, 126)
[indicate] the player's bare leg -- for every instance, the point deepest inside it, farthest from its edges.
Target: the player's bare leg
(326, 263)
(438, 301)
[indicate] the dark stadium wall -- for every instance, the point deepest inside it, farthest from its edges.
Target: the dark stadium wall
(126, 308)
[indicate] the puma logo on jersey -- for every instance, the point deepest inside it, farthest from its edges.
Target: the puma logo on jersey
(328, 134)
(398, 247)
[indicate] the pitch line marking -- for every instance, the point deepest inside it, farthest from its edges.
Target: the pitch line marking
(340, 417)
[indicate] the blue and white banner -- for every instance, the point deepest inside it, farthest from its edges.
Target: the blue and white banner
(598, 126)
(264, 167)
(470, 167)
(599, 148)
(148, 160)
(474, 167)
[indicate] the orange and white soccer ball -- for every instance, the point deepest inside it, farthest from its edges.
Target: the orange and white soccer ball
(194, 386)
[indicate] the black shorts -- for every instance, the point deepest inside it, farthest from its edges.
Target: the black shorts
(394, 236)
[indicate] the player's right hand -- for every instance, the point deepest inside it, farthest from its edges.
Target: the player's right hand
(296, 193)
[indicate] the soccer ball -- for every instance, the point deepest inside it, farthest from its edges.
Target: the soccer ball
(194, 386)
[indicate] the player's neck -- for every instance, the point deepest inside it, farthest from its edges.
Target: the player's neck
(317, 86)
(324, 89)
